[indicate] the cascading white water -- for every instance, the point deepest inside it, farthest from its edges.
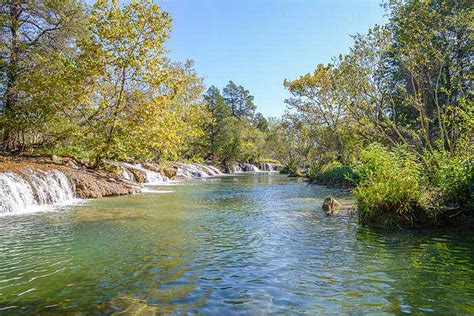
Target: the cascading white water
(151, 177)
(216, 171)
(191, 171)
(127, 175)
(196, 170)
(210, 170)
(34, 191)
(235, 169)
(250, 167)
(266, 166)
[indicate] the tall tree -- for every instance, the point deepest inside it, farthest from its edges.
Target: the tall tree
(261, 122)
(239, 100)
(135, 79)
(219, 111)
(30, 32)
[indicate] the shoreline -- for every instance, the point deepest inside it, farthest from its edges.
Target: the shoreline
(50, 181)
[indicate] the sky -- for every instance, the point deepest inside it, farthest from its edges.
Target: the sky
(259, 43)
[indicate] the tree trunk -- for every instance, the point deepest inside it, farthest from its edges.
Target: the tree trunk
(10, 97)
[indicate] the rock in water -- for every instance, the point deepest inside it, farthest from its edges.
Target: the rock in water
(330, 205)
(139, 175)
(169, 172)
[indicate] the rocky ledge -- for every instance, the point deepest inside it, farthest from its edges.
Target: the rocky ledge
(37, 181)
(85, 182)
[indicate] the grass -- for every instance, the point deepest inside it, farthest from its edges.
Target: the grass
(332, 174)
(396, 188)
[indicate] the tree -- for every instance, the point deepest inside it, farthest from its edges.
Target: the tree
(32, 35)
(191, 106)
(282, 142)
(239, 100)
(316, 108)
(261, 122)
(219, 112)
(135, 81)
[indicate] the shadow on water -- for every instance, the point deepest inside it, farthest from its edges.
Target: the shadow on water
(251, 244)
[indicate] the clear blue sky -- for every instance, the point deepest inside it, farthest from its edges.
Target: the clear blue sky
(259, 43)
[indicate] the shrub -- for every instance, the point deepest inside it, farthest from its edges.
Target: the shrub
(332, 174)
(66, 151)
(289, 168)
(391, 188)
(453, 176)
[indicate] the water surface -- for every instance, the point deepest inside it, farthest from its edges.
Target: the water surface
(249, 244)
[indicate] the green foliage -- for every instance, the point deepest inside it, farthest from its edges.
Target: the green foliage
(453, 176)
(406, 84)
(394, 186)
(333, 174)
(261, 123)
(289, 168)
(390, 185)
(66, 151)
(268, 160)
(98, 84)
(239, 100)
(233, 133)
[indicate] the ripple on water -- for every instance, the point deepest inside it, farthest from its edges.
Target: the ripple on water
(250, 244)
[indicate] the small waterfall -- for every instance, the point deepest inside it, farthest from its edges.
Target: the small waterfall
(151, 177)
(33, 191)
(191, 171)
(210, 170)
(250, 168)
(127, 175)
(196, 170)
(216, 171)
(266, 166)
(234, 169)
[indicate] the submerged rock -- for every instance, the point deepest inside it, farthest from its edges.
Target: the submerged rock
(330, 205)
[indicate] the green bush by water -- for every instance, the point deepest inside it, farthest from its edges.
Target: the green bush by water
(454, 177)
(332, 174)
(396, 188)
(289, 168)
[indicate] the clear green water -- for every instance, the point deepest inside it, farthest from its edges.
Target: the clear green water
(249, 244)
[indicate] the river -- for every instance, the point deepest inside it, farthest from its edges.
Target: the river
(249, 243)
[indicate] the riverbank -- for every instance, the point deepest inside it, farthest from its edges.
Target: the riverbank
(393, 199)
(40, 181)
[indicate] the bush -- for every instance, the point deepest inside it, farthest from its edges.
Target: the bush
(454, 177)
(391, 188)
(289, 168)
(66, 151)
(332, 174)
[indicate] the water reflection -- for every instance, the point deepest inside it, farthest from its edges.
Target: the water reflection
(254, 244)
